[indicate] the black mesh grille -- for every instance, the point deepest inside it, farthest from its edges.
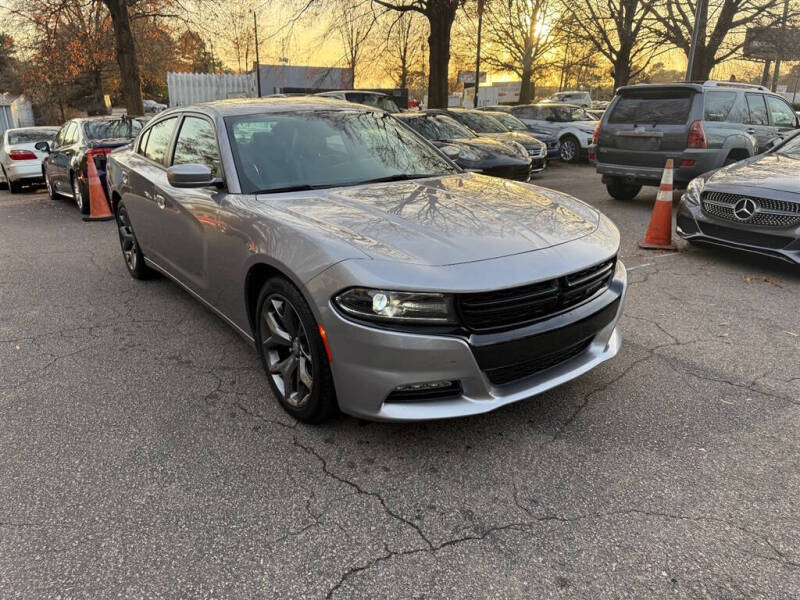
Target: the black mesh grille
(409, 396)
(517, 307)
(503, 375)
(770, 212)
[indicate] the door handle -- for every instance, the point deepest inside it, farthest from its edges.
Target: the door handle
(161, 201)
(750, 130)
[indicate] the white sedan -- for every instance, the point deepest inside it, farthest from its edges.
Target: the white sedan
(20, 161)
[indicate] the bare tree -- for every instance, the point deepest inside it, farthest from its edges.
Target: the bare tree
(440, 15)
(722, 24)
(353, 22)
(402, 47)
(617, 29)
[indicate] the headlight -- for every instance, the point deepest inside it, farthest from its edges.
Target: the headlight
(694, 189)
(519, 148)
(468, 155)
(400, 307)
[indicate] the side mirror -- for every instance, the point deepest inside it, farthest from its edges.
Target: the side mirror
(772, 143)
(450, 152)
(190, 176)
(42, 147)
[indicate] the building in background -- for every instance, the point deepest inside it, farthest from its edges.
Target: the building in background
(15, 111)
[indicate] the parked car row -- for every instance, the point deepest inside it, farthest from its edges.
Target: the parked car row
(735, 149)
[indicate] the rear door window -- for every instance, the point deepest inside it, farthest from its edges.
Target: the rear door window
(718, 106)
(665, 107)
(757, 109)
(158, 141)
(780, 113)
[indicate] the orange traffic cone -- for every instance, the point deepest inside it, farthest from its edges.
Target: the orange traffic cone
(659, 232)
(99, 209)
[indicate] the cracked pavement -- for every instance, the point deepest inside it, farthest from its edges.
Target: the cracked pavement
(142, 455)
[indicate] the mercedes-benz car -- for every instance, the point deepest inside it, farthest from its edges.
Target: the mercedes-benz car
(370, 272)
(477, 153)
(752, 205)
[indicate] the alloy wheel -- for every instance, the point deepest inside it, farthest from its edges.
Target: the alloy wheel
(127, 240)
(286, 350)
(48, 185)
(568, 150)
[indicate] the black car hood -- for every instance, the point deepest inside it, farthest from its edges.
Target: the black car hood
(768, 171)
(486, 147)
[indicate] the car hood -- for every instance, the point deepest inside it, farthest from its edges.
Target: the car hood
(486, 147)
(444, 220)
(514, 136)
(770, 171)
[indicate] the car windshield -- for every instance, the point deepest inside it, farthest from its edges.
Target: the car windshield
(790, 147)
(510, 122)
(376, 100)
(481, 123)
(31, 136)
(439, 127)
(112, 129)
(317, 149)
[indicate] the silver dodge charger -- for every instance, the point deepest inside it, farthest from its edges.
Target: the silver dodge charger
(372, 274)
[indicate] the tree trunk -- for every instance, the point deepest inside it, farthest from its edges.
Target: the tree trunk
(130, 84)
(622, 67)
(441, 14)
(525, 92)
(704, 63)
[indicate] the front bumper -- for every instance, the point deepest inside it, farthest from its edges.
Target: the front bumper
(369, 363)
(697, 227)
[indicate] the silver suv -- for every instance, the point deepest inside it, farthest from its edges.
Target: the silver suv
(701, 126)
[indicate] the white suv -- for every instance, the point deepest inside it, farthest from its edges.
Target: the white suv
(580, 98)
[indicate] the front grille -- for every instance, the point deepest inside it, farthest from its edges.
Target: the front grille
(517, 307)
(517, 172)
(508, 374)
(770, 212)
(537, 152)
(743, 236)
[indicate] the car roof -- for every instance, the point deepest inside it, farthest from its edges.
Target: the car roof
(349, 92)
(250, 106)
(554, 105)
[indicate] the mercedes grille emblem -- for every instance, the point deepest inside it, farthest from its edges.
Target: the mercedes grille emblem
(744, 209)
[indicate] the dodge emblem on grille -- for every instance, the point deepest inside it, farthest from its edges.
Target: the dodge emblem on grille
(744, 209)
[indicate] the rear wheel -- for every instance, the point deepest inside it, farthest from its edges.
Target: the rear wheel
(293, 353)
(49, 185)
(570, 149)
(80, 194)
(617, 188)
(134, 259)
(13, 186)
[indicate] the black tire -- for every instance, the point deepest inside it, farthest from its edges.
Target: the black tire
(282, 341)
(80, 194)
(570, 149)
(4, 183)
(131, 253)
(7, 185)
(620, 190)
(15, 187)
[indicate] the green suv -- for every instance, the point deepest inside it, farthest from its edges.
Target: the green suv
(700, 126)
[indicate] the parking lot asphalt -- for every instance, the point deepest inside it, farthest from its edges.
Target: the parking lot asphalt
(142, 455)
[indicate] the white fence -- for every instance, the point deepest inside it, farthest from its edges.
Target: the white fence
(191, 88)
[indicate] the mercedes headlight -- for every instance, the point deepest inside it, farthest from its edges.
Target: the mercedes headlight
(694, 189)
(399, 307)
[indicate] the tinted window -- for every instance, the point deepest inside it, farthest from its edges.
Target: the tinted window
(376, 100)
(71, 136)
(757, 109)
(143, 142)
(197, 145)
(326, 149)
(438, 127)
(112, 129)
(718, 105)
(527, 112)
(510, 121)
(666, 108)
(31, 136)
(566, 114)
(781, 114)
(62, 135)
(158, 139)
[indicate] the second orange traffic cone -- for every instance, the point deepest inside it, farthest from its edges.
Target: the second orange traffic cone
(99, 209)
(659, 232)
